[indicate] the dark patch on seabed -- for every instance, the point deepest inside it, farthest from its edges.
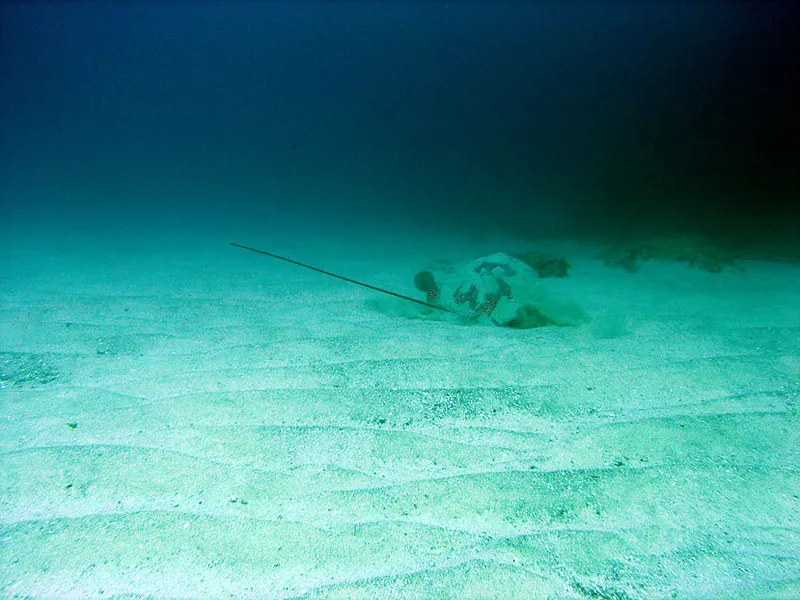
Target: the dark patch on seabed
(25, 369)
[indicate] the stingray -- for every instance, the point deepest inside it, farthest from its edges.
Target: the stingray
(423, 281)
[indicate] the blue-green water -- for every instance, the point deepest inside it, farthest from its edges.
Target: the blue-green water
(597, 118)
(601, 195)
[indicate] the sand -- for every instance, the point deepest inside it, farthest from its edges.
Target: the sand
(183, 419)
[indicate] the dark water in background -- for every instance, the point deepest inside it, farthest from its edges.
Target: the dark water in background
(529, 117)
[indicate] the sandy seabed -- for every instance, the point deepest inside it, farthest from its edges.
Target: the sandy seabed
(209, 423)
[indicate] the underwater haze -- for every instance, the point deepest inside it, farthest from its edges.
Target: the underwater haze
(531, 117)
(399, 300)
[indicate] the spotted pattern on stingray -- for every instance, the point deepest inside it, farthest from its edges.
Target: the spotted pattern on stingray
(489, 304)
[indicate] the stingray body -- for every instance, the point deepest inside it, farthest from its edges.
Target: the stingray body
(496, 289)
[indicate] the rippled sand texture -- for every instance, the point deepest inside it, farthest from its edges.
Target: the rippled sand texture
(178, 426)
